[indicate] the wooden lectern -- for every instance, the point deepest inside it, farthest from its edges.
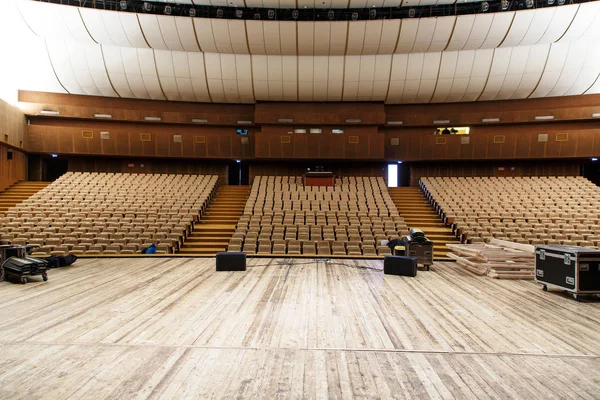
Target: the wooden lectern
(319, 179)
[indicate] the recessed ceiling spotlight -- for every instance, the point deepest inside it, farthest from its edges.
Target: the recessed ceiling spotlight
(167, 10)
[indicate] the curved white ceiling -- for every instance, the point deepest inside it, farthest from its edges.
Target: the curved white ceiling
(534, 53)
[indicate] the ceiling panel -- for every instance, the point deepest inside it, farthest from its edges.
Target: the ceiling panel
(272, 37)
(397, 78)
(519, 28)
(133, 31)
(198, 76)
(166, 74)
(356, 37)
(275, 77)
(389, 36)
(237, 36)
(462, 31)
(366, 78)
(462, 75)
(479, 32)
(338, 35)
(306, 33)
(431, 65)
(448, 65)
(288, 37)
(256, 38)
(131, 65)
(151, 29)
(260, 76)
(148, 70)
(589, 72)
(562, 19)
(229, 78)
(96, 67)
(116, 71)
(424, 35)
(554, 67)
(578, 53)
(351, 77)
(322, 41)
(383, 68)
(514, 72)
(441, 35)
(534, 67)
(220, 28)
(212, 63)
(479, 73)
(408, 34)
(335, 80)
(61, 62)
(583, 20)
(321, 68)
(498, 29)
(372, 40)
(498, 69)
(290, 78)
(204, 35)
(185, 31)
(183, 76)
(305, 78)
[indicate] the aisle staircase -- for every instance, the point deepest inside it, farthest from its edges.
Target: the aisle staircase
(418, 213)
(18, 192)
(211, 235)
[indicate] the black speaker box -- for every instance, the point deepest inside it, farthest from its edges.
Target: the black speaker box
(397, 265)
(231, 261)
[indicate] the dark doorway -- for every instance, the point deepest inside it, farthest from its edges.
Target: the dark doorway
(238, 173)
(53, 168)
(591, 171)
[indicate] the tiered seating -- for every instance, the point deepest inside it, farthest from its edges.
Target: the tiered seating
(282, 216)
(534, 210)
(100, 213)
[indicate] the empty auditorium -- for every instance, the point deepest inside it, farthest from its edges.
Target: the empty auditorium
(298, 199)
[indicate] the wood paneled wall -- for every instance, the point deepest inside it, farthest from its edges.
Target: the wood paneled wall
(84, 107)
(567, 108)
(497, 168)
(517, 142)
(12, 125)
(51, 135)
(274, 142)
(12, 139)
(321, 113)
(295, 168)
(148, 166)
(13, 170)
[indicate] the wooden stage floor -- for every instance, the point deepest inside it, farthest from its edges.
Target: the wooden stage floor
(175, 328)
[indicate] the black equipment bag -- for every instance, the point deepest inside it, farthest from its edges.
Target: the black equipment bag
(61, 261)
(25, 266)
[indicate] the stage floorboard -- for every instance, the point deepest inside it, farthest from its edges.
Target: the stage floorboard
(176, 328)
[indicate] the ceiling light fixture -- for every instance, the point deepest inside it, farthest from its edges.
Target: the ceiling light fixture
(167, 10)
(49, 112)
(102, 116)
(544, 117)
(490, 120)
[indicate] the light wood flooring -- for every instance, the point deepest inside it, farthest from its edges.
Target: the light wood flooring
(176, 328)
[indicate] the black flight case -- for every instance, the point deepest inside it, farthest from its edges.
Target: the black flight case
(571, 268)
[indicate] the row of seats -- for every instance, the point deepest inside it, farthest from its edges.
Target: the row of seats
(533, 210)
(355, 217)
(361, 195)
(97, 213)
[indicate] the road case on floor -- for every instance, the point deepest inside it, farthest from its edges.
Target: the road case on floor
(21, 269)
(419, 247)
(571, 268)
